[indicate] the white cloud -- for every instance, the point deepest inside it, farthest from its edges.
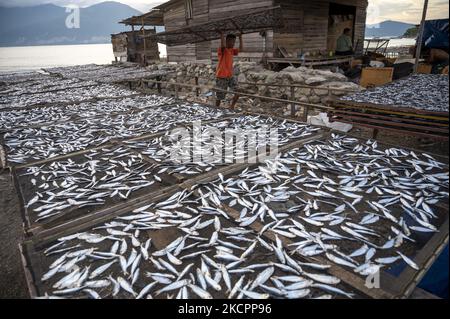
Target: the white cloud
(379, 10)
(143, 5)
(405, 10)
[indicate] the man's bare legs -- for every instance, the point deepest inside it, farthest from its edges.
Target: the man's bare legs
(233, 103)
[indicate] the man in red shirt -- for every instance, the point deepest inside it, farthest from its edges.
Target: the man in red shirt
(225, 71)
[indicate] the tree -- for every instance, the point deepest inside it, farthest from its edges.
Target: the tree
(411, 32)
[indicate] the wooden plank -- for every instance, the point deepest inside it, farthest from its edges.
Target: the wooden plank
(30, 267)
(421, 294)
(20, 197)
(372, 77)
(424, 68)
(2, 157)
(310, 63)
(442, 158)
(379, 127)
(393, 109)
(390, 118)
(361, 118)
(27, 270)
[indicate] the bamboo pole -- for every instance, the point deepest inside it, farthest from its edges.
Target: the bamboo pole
(420, 38)
(328, 88)
(309, 105)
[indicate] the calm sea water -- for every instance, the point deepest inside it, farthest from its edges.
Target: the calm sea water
(14, 59)
(401, 42)
(18, 59)
(36, 57)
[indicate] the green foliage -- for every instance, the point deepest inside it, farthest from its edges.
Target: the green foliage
(411, 32)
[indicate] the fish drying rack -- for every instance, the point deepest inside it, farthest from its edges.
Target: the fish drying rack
(41, 235)
(401, 286)
(404, 120)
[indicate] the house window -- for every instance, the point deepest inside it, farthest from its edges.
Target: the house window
(189, 9)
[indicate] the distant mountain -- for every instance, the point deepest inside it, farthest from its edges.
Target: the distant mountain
(387, 29)
(46, 24)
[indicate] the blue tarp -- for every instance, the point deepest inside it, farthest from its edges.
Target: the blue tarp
(436, 280)
(436, 34)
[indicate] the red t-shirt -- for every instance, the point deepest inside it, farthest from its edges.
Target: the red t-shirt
(225, 66)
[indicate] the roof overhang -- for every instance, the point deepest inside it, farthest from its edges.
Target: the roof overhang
(259, 20)
(166, 4)
(152, 18)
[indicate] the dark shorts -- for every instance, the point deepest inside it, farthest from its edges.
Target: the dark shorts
(225, 84)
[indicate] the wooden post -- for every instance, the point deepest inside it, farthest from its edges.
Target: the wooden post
(420, 38)
(264, 36)
(145, 43)
(330, 95)
(197, 93)
(375, 133)
(305, 113)
(158, 84)
(292, 98)
(134, 46)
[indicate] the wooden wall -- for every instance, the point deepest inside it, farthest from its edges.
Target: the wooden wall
(292, 36)
(306, 26)
(174, 18)
(360, 24)
(201, 15)
(129, 45)
(253, 42)
(254, 47)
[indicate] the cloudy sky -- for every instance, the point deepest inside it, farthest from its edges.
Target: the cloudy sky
(379, 10)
